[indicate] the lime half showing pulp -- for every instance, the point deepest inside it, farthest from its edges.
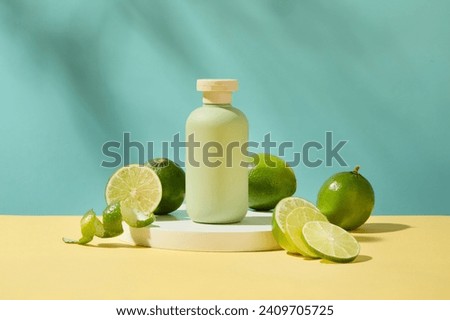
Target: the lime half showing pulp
(138, 190)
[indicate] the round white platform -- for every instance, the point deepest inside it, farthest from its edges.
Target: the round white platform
(176, 231)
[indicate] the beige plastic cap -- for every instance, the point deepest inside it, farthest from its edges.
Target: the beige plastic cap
(217, 91)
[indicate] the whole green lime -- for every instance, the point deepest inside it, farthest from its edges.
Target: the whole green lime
(172, 179)
(270, 179)
(346, 199)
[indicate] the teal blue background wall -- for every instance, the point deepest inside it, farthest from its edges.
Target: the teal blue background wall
(75, 74)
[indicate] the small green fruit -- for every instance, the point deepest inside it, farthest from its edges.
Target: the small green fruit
(346, 199)
(270, 179)
(173, 183)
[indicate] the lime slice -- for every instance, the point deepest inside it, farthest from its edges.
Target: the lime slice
(294, 225)
(139, 191)
(282, 210)
(330, 242)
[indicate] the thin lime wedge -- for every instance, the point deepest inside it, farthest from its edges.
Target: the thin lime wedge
(330, 242)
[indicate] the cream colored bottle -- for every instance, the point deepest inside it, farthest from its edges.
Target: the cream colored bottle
(216, 175)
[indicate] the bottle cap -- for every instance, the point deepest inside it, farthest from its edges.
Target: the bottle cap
(217, 91)
(217, 85)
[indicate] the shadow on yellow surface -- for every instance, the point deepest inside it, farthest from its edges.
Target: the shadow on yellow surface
(114, 245)
(378, 227)
(359, 259)
(297, 255)
(365, 238)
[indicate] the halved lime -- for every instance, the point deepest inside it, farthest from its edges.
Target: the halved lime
(138, 190)
(294, 226)
(282, 210)
(330, 242)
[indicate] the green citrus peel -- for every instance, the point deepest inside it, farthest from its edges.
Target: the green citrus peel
(132, 194)
(91, 226)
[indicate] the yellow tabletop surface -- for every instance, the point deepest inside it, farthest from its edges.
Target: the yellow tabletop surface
(402, 257)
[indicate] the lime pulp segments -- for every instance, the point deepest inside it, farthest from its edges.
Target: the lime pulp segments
(294, 226)
(282, 209)
(139, 191)
(330, 242)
